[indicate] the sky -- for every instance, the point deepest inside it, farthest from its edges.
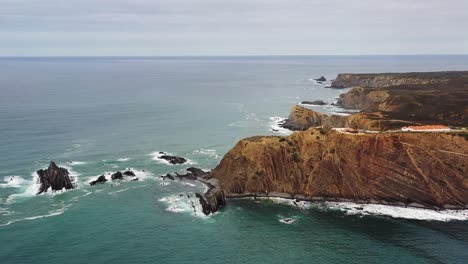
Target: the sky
(232, 27)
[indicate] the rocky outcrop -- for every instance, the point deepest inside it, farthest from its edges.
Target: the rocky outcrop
(316, 102)
(129, 173)
(173, 159)
(321, 79)
(301, 118)
(54, 177)
(100, 179)
(212, 201)
(345, 80)
(117, 176)
(192, 174)
(427, 169)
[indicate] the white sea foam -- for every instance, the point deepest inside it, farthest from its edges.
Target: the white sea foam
(118, 191)
(350, 208)
(207, 152)
(183, 203)
(50, 214)
(77, 163)
(275, 125)
(287, 221)
(12, 182)
(123, 159)
(399, 211)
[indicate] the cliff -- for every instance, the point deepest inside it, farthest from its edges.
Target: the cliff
(393, 79)
(301, 118)
(422, 168)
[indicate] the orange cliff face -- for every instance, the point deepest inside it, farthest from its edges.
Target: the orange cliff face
(427, 169)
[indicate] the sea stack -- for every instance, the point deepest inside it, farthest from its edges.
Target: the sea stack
(54, 177)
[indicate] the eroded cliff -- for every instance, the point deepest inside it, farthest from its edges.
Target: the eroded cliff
(428, 169)
(393, 79)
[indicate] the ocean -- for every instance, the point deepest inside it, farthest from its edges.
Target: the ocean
(98, 115)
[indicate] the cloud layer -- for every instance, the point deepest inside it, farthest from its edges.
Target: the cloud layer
(240, 27)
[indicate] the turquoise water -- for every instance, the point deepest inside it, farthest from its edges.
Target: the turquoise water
(100, 115)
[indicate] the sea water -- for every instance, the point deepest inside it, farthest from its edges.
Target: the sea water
(96, 116)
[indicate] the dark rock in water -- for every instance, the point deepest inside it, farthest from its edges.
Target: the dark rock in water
(275, 130)
(173, 159)
(319, 82)
(129, 173)
(55, 178)
(321, 79)
(193, 174)
(135, 179)
(316, 102)
(212, 201)
(197, 172)
(100, 179)
(117, 176)
(168, 176)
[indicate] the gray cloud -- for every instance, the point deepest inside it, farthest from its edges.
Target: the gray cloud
(224, 27)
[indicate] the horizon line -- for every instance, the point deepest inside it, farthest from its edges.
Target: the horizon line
(219, 56)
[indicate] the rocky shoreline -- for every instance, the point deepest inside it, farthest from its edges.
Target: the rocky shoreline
(319, 164)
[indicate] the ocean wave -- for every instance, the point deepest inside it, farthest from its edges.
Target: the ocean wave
(76, 163)
(183, 203)
(12, 182)
(399, 211)
(393, 211)
(50, 214)
(275, 125)
(207, 152)
(123, 159)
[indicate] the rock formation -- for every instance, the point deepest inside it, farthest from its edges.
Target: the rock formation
(173, 159)
(345, 80)
(316, 102)
(412, 168)
(321, 79)
(117, 176)
(54, 177)
(212, 201)
(100, 179)
(129, 173)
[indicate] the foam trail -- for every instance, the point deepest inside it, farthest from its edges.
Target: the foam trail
(399, 211)
(77, 163)
(51, 213)
(123, 159)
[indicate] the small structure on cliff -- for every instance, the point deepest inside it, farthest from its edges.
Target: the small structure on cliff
(433, 128)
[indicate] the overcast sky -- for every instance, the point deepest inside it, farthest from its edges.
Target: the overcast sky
(232, 27)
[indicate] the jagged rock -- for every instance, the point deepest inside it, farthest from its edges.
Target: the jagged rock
(321, 79)
(100, 179)
(173, 159)
(316, 102)
(129, 173)
(168, 176)
(56, 178)
(212, 201)
(117, 176)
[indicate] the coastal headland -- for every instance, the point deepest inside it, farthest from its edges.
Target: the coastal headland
(377, 162)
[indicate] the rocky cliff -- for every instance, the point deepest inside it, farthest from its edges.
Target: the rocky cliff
(301, 118)
(393, 79)
(411, 168)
